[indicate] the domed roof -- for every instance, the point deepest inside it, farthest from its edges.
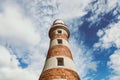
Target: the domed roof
(58, 21)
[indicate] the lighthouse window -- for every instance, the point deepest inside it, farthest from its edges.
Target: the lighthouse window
(59, 31)
(59, 41)
(60, 61)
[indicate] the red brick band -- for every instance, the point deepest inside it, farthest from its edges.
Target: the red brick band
(58, 27)
(57, 73)
(59, 50)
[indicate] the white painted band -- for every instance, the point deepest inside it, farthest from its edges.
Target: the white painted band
(63, 31)
(53, 63)
(55, 42)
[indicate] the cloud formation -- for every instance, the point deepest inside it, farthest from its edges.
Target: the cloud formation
(15, 26)
(114, 64)
(19, 35)
(9, 67)
(24, 27)
(83, 60)
(109, 36)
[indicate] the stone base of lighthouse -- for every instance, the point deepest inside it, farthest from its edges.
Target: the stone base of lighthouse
(59, 74)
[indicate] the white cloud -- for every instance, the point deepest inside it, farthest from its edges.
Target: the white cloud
(114, 64)
(71, 9)
(9, 69)
(114, 78)
(102, 7)
(63, 9)
(17, 30)
(20, 36)
(83, 60)
(6, 59)
(22, 33)
(100, 33)
(44, 12)
(112, 4)
(111, 36)
(17, 27)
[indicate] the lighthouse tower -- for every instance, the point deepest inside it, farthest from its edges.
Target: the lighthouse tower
(59, 63)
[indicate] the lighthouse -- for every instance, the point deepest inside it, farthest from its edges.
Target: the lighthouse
(59, 64)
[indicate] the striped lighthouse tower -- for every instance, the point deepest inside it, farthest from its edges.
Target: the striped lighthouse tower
(59, 63)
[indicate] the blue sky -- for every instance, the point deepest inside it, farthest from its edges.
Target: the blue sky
(94, 40)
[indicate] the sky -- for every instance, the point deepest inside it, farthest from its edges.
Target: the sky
(94, 39)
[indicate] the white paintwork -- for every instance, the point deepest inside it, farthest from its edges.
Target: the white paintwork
(59, 25)
(63, 31)
(54, 42)
(52, 63)
(59, 21)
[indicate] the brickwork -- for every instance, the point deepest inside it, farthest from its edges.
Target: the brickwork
(58, 27)
(59, 50)
(59, 47)
(54, 36)
(59, 73)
